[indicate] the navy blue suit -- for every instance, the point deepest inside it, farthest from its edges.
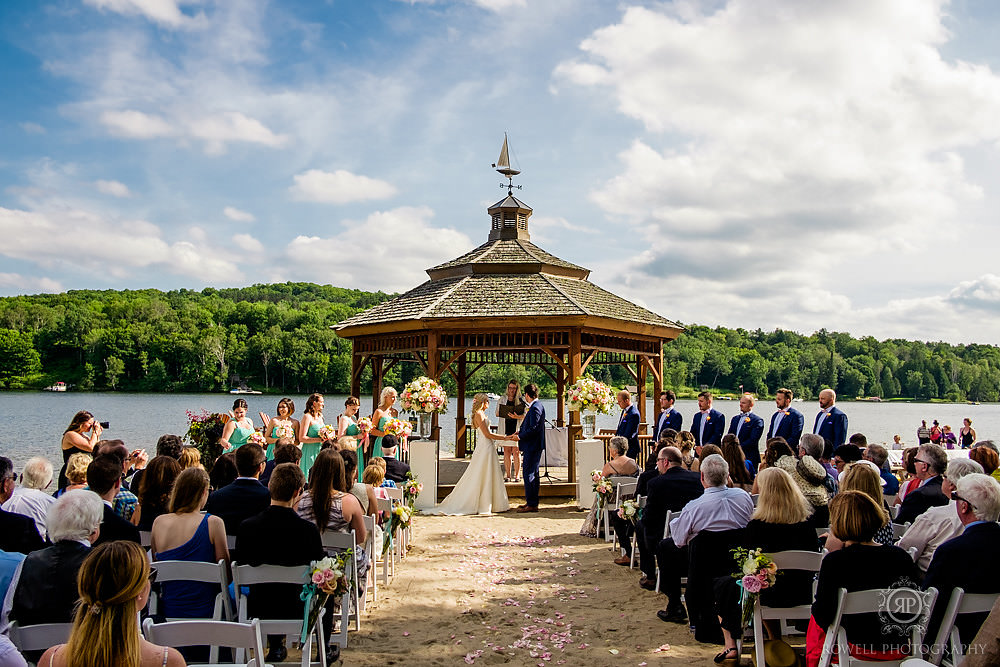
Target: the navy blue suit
(749, 435)
(237, 502)
(628, 428)
(713, 428)
(531, 442)
(667, 419)
(790, 427)
(833, 428)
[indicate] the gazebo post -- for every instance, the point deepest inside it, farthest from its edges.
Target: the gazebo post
(640, 393)
(460, 434)
(376, 380)
(560, 398)
(355, 371)
(657, 380)
(433, 364)
(574, 416)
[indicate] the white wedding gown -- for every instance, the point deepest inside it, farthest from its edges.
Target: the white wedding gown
(480, 489)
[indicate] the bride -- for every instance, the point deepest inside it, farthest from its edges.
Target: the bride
(481, 489)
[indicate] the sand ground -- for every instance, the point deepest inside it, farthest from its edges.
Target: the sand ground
(523, 589)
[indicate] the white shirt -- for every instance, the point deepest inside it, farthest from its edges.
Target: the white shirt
(719, 508)
(929, 531)
(32, 503)
(779, 415)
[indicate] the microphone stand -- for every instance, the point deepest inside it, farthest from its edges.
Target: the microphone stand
(545, 459)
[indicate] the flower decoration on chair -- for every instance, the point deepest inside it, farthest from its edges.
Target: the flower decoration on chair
(328, 432)
(257, 438)
(327, 576)
(411, 489)
(424, 395)
(589, 395)
(629, 511)
(398, 427)
(603, 487)
(399, 519)
(757, 572)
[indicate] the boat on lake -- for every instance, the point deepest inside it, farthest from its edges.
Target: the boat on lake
(244, 389)
(58, 386)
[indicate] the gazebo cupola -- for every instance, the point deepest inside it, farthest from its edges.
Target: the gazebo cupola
(509, 219)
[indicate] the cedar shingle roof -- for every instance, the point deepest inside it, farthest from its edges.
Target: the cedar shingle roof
(508, 251)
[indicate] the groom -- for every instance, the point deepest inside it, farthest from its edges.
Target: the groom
(531, 442)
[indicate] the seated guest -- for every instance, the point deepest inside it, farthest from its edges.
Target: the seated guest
(965, 561)
(740, 470)
(988, 459)
(246, 496)
(624, 528)
(113, 589)
(76, 472)
(373, 477)
(30, 499)
(669, 491)
(126, 502)
(291, 454)
(863, 476)
(879, 455)
(380, 462)
(224, 471)
(987, 642)
(190, 458)
(908, 480)
(46, 591)
(619, 464)
(938, 524)
(154, 490)
(188, 534)
(774, 449)
(860, 565)
(844, 455)
(685, 442)
(930, 461)
(719, 508)
(810, 476)
(779, 523)
(18, 533)
(166, 445)
(364, 493)
(104, 477)
(394, 469)
(278, 536)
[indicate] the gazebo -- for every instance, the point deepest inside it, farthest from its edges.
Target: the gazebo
(509, 302)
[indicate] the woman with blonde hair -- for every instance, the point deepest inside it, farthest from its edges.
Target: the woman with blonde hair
(379, 419)
(190, 458)
(113, 585)
(685, 442)
(780, 522)
(481, 488)
(864, 476)
(309, 439)
(76, 472)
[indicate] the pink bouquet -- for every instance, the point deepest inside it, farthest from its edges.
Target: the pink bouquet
(328, 432)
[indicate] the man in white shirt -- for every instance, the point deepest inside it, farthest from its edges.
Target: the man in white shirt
(938, 524)
(30, 499)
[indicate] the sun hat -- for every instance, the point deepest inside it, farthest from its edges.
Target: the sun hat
(810, 475)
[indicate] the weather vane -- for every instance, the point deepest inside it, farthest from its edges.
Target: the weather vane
(503, 166)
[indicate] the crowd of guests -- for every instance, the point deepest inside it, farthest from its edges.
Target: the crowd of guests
(809, 496)
(74, 552)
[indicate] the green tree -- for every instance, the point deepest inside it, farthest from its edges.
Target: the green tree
(19, 360)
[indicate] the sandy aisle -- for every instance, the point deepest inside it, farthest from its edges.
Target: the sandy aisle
(523, 589)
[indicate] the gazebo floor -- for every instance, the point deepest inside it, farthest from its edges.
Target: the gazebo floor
(451, 469)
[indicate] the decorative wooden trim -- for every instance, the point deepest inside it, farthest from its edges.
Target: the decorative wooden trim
(420, 360)
(557, 358)
(586, 362)
(453, 358)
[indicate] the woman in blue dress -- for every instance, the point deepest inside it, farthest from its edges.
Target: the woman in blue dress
(380, 417)
(347, 424)
(283, 422)
(309, 427)
(238, 429)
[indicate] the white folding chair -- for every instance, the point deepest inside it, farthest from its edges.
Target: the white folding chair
(38, 637)
(389, 555)
(948, 643)
(207, 573)
(342, 542)
(247, 575)
(245, 638)
(864, 602)
(641, 502)
(371, 549)
(666, 534)
(898, 529)
(623, 490)
(146, 538)
(231, 542)
(755, 497)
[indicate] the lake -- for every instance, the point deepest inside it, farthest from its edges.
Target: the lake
(33, 422)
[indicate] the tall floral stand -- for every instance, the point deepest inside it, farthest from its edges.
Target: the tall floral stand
(589, 456)
(424, 465)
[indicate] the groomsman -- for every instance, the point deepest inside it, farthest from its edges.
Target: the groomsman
(831, 422)
(786, 422)
(668, 417)
(708, 424)
(628, 425)
(748, 427)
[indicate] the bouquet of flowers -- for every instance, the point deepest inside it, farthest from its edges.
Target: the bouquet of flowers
(400, 518)
(411, 489)
(398, 427)
(365, 424)
(424, 395)
(757, 572)
(204, 431)
(629, 511)
(327, 576)
(285, 431)
(257, 438)
(587, 394)
(328, 432)
(602, 487)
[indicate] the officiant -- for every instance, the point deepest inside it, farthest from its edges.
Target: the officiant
(511, 408)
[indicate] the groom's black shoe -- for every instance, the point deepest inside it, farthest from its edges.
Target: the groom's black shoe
(527, 508)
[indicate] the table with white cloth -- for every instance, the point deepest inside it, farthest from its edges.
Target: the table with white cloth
(896, 456)
(556, 446)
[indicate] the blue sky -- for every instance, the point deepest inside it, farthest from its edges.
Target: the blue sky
(748, 163)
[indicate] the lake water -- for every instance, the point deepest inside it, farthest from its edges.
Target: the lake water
(32, 423)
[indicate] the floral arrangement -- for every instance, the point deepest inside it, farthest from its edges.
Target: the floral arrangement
(257, 438)
(398, 427)
(285, 431)
(204, 430)
(328, 432)
(365, 424)
(757, 572)
(629, 511)
(327, 576)
(399, 518)
(587, 394)
(411, 489)
(424, 395)
(603, 487)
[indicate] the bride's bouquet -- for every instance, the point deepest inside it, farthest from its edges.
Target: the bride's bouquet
(589, 395)
(424, 395)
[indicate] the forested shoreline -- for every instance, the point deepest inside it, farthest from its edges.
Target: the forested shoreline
(277, 338)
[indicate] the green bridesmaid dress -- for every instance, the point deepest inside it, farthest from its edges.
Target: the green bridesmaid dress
(239, 437)
(355, 432)
(377, 447)
(310, 449)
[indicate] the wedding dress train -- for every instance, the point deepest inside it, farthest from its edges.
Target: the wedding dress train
(480, 489)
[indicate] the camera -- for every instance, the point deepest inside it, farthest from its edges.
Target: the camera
(105, 425)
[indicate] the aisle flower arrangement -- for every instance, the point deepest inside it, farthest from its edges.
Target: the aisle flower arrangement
(629, 511)
(398, 520)
(327, 576)
(328, 432)
(757, 573)
(603, 487)
(424, 395)
(589, 395)
(257, 438)
(411, 489)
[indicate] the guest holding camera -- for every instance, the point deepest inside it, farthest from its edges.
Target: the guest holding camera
(79, 437)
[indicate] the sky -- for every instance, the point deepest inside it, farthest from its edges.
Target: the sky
(767, 164)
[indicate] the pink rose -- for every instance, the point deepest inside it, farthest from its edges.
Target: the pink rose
(751, 584)
(328, 576)
(317, 578)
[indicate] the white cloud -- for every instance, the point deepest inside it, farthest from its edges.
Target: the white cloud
(389, 250)
(215, 130)
(338, 187)
(17, 284)
(248, 243)
(238, 215)
(113, 188)
(136, 124)
(32, 128)
(163, 12)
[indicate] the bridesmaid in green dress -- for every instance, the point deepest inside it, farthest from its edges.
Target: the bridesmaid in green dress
(312, 422)
(286, 408)
(380, 417)
(238, 429)
(347, 425)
